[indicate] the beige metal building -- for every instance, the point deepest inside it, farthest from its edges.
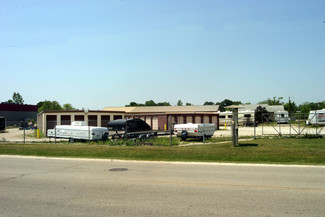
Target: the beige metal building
(49, 119)
(156, 116)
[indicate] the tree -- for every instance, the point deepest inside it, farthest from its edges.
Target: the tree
(163, 104)
(275, 101)
(16, 99)
(227, 102)
(49, 106)
(259, 114)
(68, 107)
(208, 103)
(306, 107)
(179, 103)
(188, 104)
(290, 107)
(150, 103)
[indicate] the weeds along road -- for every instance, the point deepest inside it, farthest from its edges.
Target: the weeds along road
(78, 187)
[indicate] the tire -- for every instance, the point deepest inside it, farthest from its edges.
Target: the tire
(184, 135)
(71, 140)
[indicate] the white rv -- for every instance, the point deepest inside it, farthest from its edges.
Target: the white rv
(194, 130)
(78, 131)
(281, 117)
(316, 117)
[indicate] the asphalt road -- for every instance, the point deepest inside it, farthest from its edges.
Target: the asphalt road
(77, 187)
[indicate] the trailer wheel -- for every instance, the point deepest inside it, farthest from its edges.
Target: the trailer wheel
(71, 140)
(184, 135)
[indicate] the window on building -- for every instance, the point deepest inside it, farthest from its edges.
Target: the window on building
(247, 115)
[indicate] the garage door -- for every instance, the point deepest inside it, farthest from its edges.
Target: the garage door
(154, 123)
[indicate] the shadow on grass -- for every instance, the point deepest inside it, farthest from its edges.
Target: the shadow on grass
(248, 145)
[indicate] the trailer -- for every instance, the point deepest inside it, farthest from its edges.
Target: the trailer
(194, 130)
(316, 117)
(281, 117)
(2, 123)
(78, 131)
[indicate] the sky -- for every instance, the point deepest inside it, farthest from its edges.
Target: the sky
(99, 53)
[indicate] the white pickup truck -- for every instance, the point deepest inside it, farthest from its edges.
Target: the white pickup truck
(78, 131)
(194, 130)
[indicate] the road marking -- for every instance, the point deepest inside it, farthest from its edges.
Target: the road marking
(166, 162)
(247, 186)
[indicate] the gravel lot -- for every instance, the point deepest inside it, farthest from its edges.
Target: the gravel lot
(16, 135)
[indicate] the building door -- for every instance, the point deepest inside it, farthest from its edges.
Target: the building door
(50, 122)
(105, 119)
(65, 120)
(154, 123)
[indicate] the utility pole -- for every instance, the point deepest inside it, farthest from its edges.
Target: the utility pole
(234, 123)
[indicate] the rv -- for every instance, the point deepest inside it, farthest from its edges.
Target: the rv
(78, 131)
(316, 117)
(281, 117)
(194, 130)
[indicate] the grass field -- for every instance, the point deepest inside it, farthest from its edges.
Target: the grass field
(277, 151)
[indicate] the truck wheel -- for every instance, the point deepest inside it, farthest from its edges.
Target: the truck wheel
(71, 140)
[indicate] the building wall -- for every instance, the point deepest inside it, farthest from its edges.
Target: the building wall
(14, 117)
(161, 121)
(48, 120)
(14, 113)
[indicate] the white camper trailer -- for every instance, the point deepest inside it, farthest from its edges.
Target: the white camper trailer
(78, 131)
(194, 130)
(316, 117)
(281, 117)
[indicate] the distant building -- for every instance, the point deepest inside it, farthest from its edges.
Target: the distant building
(14, 113)
(247, 112)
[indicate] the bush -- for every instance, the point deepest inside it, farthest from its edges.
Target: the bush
(312, 136)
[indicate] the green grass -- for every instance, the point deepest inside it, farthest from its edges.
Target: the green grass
(284, 151)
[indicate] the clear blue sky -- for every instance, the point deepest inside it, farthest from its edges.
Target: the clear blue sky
(99, 53)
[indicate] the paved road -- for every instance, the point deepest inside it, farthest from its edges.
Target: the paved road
(74, 187)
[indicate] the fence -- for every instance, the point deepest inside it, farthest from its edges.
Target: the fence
(293, 124)
(19, 131)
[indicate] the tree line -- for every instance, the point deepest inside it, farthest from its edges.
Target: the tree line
(45, 105)
(289, 106)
